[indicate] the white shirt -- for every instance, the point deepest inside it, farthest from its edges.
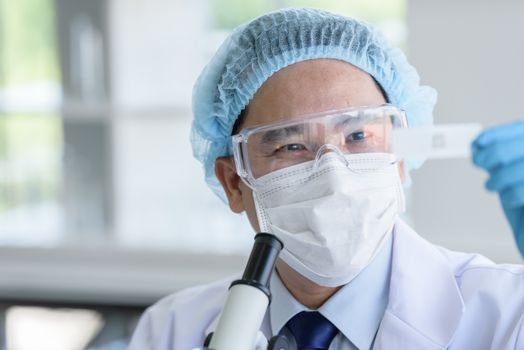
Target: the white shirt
(356, 309)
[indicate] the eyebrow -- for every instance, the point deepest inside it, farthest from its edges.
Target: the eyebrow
(356, 122)
(274, 135)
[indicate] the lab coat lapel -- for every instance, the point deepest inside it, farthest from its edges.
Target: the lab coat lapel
(425, 305)
(212, 326)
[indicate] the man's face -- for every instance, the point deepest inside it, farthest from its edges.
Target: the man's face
(303, 88)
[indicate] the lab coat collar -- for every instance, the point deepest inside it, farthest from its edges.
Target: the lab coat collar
(425, 305)
(283, 305)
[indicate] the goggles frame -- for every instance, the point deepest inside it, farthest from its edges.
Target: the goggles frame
(239, 147)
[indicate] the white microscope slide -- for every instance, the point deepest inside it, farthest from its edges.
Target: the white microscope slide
(435, 142)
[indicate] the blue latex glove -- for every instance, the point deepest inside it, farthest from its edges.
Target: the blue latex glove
(500, 151)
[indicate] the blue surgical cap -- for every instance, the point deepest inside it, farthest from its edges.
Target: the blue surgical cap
(257, 49)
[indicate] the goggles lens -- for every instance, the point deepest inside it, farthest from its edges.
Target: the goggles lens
(264, 149)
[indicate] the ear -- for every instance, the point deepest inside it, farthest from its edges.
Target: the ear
(226, 173)
(402, 171)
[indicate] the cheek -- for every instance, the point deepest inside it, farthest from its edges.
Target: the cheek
(249, 206)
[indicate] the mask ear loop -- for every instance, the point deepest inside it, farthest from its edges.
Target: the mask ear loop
(243, 179)
(263, 224)
(401, 196)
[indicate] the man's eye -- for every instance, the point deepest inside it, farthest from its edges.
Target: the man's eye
(357, 136)
(291, 147)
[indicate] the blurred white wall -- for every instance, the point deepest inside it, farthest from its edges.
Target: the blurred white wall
(156, 51)
(471, 51)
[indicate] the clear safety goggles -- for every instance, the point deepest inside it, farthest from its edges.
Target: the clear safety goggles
(263, 149)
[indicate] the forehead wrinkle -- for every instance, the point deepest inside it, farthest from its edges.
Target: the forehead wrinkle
(279, 134)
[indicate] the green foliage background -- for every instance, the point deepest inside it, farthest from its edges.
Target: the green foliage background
(28, 54)
(27, 42)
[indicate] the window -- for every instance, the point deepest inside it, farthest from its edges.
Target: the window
(30, 127)
(94, 121)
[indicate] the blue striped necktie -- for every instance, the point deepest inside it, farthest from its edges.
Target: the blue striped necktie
(312, 331)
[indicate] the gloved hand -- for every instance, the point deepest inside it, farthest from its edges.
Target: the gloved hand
(500, 151)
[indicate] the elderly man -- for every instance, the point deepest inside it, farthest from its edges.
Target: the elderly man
(293, 121)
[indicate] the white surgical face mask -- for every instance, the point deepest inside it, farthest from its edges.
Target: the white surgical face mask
(333, 216)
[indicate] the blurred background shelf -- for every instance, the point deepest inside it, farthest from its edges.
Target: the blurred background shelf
(104, 275)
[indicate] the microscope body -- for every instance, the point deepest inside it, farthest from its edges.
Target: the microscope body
(239, 325)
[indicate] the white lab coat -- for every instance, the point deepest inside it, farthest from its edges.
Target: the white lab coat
(438, 299)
